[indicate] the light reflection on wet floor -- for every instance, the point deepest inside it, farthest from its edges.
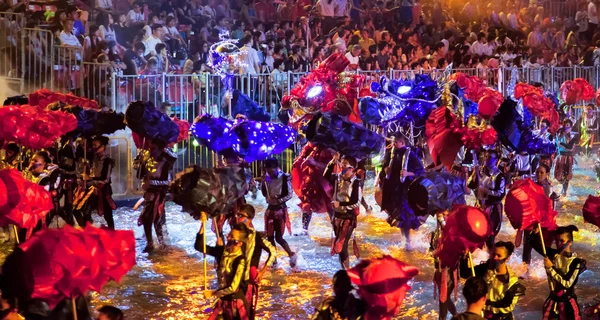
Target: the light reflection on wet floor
(168, 284)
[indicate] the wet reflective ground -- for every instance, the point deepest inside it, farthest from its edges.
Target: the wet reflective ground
(168, 283)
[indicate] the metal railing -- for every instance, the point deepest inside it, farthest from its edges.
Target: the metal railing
(11, 25)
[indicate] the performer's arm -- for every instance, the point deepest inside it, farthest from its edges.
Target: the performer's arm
(268, 247)
(499, 187)
(216, 251)
(328, 174)
(473, 181)
(415, 165)
(536, 244)
(286, 188)
(508, 302)
(466, 272)
(355, 197)
(263, 188)
(104, 177)
(386, 163)
(569, 279)
(235, 283)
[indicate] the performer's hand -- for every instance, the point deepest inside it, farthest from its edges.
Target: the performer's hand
(208, 294)
(336, 204)
(336, 156)
(407, 174)
(547, 263)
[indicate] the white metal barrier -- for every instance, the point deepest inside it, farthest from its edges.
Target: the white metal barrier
(11, 25)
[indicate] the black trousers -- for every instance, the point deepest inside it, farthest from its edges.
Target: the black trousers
(84, 215)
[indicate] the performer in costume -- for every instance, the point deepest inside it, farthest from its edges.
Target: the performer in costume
(588, 129)
(277, 190)
(521, 166)
(346, 199)
(11, 157)
(311, 187)
(232, 160)
(232, 262)
(256, 244)
(155, 167)
(95, 193)
(563, 172)
(67, 162)
(597, 165)
(504, 287)
(543, 133)
(343, 305)
(541, 176)
(42, 172)
(445, 279)
(489, 186)
(563, 268)
(401, 166)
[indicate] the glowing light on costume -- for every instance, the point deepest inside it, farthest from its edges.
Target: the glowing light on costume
(314, 92)
(404, 90)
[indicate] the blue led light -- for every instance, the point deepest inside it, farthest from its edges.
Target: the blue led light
(404, 90)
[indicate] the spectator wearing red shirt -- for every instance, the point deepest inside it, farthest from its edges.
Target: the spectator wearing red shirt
(287, 12)
(265, 11)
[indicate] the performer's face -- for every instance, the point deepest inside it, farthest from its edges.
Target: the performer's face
(347, 169)
(97, 147)
(500, 256)
(399, 143)
(38, 164)
(563, 242)
(541, 174)
(492, 160)
(271, 171)
(242, 217)
(567, 127)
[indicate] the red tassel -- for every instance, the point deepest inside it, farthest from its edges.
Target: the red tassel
(444, 286)
(455, 274)
(519, 238)
(355, 248)
(434, 288)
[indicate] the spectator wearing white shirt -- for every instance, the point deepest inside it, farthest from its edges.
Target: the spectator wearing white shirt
(481, 47)
(67, 38)
(153, 40)
(249, 56)
(278, 75)
(135, 15)
(104, 5)
(353, 57)
(341, 39)
(341, 8)
(172, 36)
(592, 19)
(581, 19)
(327, 12)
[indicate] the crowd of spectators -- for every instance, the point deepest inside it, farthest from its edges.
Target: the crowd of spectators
(158, 36)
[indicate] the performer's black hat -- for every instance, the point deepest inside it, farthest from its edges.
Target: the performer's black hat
(351, 161)
(568, 121)
(271, 163)
(102, 139)
(12, 147)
